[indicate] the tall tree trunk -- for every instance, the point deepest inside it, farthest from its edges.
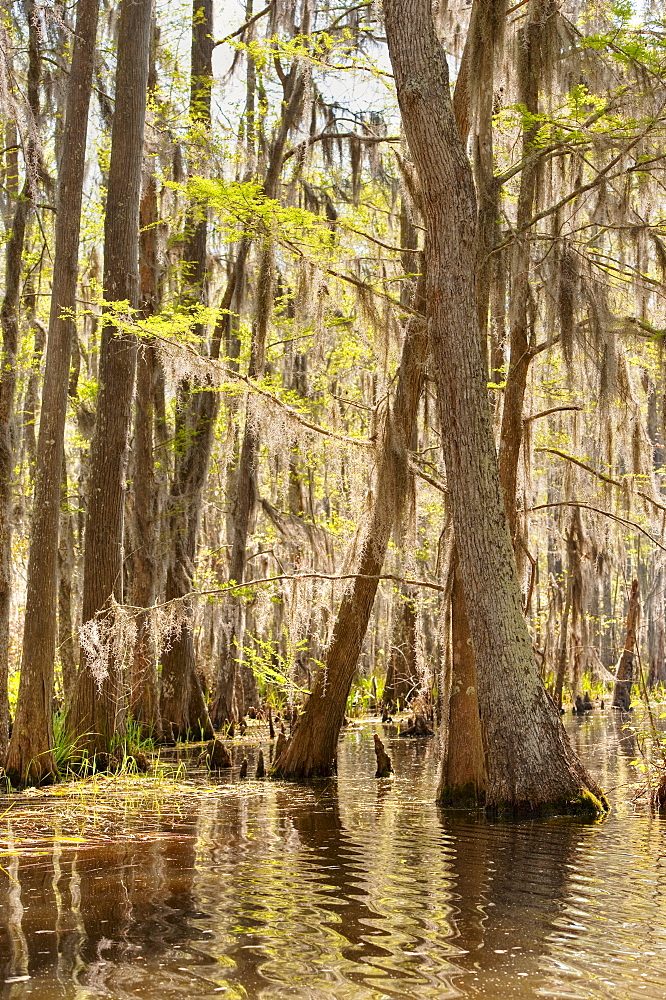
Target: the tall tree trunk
(182, 702)
(144, 695)
(144, 692)
(313, 748)
(530, 763)
(463, 776)
(67, 648)
(473, 110)
(30, 757)
(625, 670)
(224, 708)
(10, 339)
(9, 319)
(96, 714)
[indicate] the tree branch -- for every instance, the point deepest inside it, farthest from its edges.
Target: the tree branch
(243, 28)
(598, 510)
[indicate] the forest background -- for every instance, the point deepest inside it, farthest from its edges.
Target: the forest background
(257, 361)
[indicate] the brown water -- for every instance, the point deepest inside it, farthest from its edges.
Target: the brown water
(357, 890)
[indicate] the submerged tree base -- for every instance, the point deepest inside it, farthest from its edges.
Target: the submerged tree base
(305, 773)
(304, 776)
(32, 779)
(466, 796)
(584, 804)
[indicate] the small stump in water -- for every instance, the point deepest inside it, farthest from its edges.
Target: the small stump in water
(100, 763)
(281, 744)
(138, 761)
(243, 769)
(419, 727)
(216, 756)
(384, 766)
(261, 767)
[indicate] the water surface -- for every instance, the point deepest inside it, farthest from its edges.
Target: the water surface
(357, 890)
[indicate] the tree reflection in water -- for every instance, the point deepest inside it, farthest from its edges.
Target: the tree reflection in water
(356, 890)
(511, 880)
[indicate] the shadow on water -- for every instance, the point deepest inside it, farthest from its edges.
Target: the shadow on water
(356, 890)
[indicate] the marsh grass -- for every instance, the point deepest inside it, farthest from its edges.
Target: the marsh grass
(101, 807)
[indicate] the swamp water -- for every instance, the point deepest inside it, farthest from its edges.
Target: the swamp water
(358, 890)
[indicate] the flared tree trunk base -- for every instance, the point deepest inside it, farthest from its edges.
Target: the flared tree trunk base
(583, 804)
(311, 754)
(469, 795)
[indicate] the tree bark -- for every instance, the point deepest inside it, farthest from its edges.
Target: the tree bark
(625, 670)
(144, 695)
(144, 703)
(463, 775)
(530, 762)
(183, 704)
(9, 319)
(10, 338)
(30, 757)
(66, 562)
(96, 714)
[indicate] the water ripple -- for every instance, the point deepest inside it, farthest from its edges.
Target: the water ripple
(357, 890)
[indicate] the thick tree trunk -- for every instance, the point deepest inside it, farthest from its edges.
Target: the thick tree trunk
(625, 670)
(312, 750)
(96, 714)
(30, 757)
(10, 339)
(463, 775)
(530, 763)
(9, 319)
